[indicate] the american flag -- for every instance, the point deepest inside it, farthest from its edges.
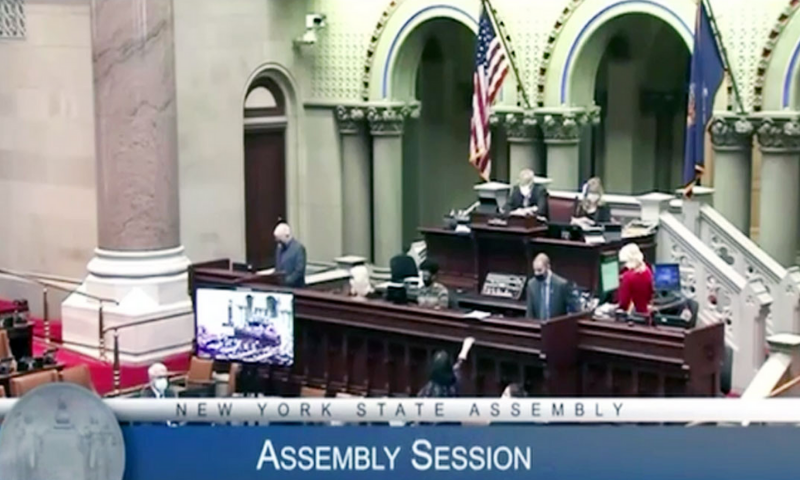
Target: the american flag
(491, 68)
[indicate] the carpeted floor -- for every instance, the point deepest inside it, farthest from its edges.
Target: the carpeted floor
(102, 371)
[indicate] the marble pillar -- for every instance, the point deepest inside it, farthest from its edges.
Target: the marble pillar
(386, 126)
(732, 139)
(356, 199)
(139, 265)
(562, 134)
(521, 132)
(779, 140)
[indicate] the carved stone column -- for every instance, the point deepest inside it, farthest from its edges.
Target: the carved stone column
(779, 140)
(356, 199)
(139, 264)
(386, 126)
(732, 138)
(562, 134)
(522, 136)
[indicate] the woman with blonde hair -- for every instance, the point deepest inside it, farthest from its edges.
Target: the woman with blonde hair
(636, 282)
(590, 207)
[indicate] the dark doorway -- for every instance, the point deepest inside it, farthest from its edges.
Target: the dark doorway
(264, 170)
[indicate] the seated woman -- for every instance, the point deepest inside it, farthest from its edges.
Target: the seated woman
(444, 376)
(590, 208)
(527, 195)
(636, 282)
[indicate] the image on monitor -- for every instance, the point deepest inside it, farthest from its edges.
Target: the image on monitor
(667, 277)
(243, 326)
(609, 275)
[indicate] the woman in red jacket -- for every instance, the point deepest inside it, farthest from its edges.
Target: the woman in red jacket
(636, 283)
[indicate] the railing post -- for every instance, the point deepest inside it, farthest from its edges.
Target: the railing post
(691, 207)
(101, 329)
(46, 316)
(117, 373)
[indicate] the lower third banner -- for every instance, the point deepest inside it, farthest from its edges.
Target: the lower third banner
(454, 452)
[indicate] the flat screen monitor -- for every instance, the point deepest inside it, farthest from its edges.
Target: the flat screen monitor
(245, 326)
(667, 277)
(609, 275)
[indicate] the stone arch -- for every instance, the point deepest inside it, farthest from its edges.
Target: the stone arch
(776, 83)
(390, 73)
(579, 40)
(295, 152)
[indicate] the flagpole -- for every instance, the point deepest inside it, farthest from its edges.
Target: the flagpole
(724, 52)
(520, 86)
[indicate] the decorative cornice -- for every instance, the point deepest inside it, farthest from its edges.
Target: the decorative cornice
(390, 119)
(519, 126)
(779, 133)
(731, 133)
(373, 45)
(769, 48)
(350, 119)
(565, 126)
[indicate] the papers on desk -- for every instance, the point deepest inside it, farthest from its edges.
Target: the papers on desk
(524, 212)
(478, 315)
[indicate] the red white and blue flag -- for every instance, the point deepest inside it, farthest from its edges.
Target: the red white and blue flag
(491, 68)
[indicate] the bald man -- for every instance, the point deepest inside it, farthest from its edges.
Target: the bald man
(549, 295)
(290, 257)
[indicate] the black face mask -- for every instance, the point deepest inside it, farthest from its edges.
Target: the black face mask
(428, 281)
(540, 277)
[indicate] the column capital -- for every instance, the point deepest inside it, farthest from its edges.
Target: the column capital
(731, 132)
(350, 119)
(519, 124)
(564, 125)
(390, 119)
(779, 131)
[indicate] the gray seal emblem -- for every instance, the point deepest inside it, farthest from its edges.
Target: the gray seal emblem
(61, 431)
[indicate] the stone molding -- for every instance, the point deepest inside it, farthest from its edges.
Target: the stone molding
(564, 126)
(780, 133)
(390, 119)
(519, 126)
(731, 132)
(350, 119)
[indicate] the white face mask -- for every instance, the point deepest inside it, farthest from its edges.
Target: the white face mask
(593, 198)
(161, 384)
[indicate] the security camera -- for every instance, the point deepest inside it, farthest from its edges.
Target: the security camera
(315, 21)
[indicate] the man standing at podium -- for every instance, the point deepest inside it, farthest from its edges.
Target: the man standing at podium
(290, 257)
(549, 295)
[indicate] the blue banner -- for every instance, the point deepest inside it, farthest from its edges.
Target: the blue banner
(450, 453)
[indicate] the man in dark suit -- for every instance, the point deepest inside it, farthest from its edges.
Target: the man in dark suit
(549, 295)
(159, 383)
(526, 194)
(290, 257)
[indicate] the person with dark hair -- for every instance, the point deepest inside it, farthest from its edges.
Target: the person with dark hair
(445, 376)
(432, 294)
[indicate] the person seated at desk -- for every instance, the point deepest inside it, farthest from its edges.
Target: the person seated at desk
(445, 376)
(290, 257)
(401, 267)
(432, 294)
(360, 285)
(589, 207)
(159, 383)
(636, 287)
(526, 194)
(549, 295)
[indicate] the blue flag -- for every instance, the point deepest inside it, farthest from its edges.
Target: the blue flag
(707, 72)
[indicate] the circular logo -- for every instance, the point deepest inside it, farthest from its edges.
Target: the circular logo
(61, 431)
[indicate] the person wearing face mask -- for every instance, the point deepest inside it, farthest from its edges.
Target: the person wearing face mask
(590, 208)
(432, 294)
(290, 257)
(527, 195)
(159, 383)
(549, 295)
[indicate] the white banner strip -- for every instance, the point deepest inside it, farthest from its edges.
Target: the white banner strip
(478, 410)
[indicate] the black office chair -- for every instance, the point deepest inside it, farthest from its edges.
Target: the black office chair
(401, 267)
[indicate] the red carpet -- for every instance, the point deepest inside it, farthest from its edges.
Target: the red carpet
(102, 372)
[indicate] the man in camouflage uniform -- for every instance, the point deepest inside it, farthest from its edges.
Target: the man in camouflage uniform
(432, 294)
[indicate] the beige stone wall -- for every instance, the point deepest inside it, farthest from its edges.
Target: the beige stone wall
(47, 180)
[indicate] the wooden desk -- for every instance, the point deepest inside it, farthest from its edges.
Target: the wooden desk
(376, 348)
(465, 259)
(5, 380)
